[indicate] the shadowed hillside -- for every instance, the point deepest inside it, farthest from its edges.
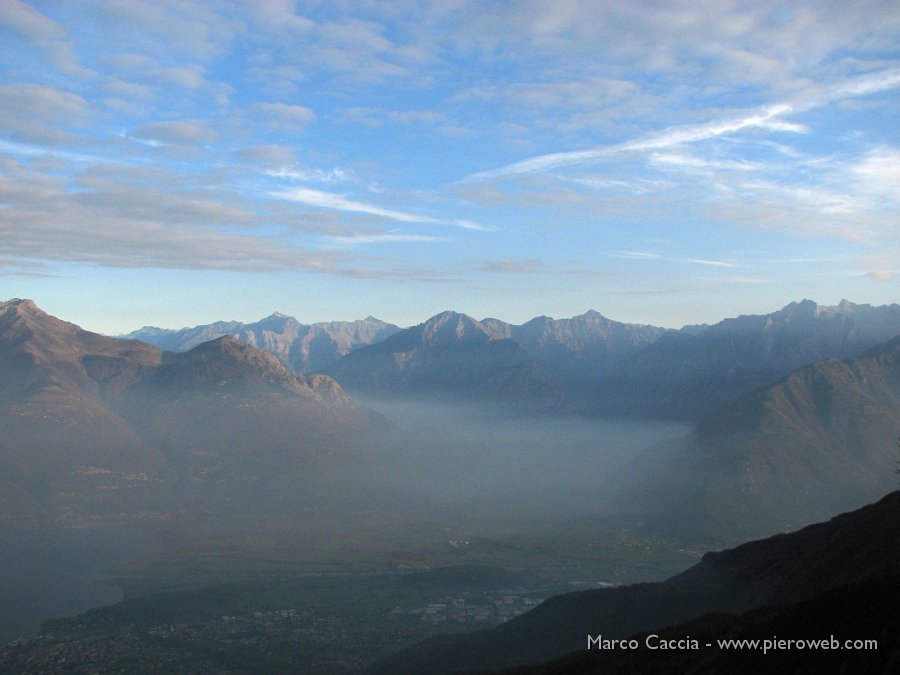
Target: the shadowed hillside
(96, 427)
(816, 443)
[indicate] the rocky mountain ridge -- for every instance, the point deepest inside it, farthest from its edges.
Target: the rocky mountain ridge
(302, 348)
(591, 364)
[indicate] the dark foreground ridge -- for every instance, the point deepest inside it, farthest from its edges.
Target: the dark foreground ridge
(817, 565)
(852, 629)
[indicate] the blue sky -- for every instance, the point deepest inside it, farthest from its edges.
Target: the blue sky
(176, 163)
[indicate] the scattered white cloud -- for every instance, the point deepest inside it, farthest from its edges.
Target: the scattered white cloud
(282, 114)
(40, 102)
(877, 175)
(335, 175)
(189, 132)
(377, 117)
(714, 263)
(330, 200)
(636, 255)
(767, 118)
(529, 266)
(29, 22)
(384, 238)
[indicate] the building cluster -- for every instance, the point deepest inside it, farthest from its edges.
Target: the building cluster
(485, 610)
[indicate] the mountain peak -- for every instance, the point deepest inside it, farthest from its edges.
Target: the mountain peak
(20, 306)
(446, 315)
(24, 302)
(806, 304)
(277, 320)
(232, 347)
(449, 327)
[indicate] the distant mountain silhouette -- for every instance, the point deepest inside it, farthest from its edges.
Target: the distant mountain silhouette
(96, 425)
(827, 564)
(300, 347)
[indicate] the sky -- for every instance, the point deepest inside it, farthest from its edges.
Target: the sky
(670, 163)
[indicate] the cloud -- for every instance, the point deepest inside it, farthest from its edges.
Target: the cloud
(877, 175)
(673, 136)
(536, 267)
(529, 266)
(42, 116)
(686, 161)
(29, 22)
(46, 34)
(190, 78)
(270, 155)
(766, 117)
(329, 200)
(636, 255)
(198, 30)
(589, 93)
(184, 132)
(119, 87)
(714, 263)
(335, 175)
(282, 114)
(376, 117)
(40, 102)
(113, 219)
(384, 238)
(279, 16)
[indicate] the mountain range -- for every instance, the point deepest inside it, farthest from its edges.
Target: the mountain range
(839, 570)
(695, 372)
(91, 421)
(541, 362)
(96, 425)
(584, 364)
(591, 364)
(302, 348)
